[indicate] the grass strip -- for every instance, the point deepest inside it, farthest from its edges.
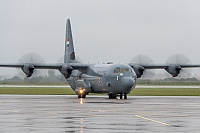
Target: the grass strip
(69, 91)
(36, 91)
(165, 92)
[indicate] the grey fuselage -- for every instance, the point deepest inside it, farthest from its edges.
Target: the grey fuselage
(103, 78)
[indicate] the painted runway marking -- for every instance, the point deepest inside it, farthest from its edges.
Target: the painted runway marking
(166, 124)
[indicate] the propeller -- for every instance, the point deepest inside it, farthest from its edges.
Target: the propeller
(144, 60)
(32, 58)
(180, 59)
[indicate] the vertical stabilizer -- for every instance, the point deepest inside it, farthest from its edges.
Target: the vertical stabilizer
(69, 46)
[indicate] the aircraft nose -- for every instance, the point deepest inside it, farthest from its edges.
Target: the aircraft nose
(127, 82)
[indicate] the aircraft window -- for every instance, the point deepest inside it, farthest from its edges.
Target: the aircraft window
(117, 70)
(122, 70)
(127, 70)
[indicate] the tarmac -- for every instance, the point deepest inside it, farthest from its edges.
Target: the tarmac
(64, 113)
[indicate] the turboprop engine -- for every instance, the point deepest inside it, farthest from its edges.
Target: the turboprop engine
(28, 69)
(173, 69)
(138, 70)
(66, 70)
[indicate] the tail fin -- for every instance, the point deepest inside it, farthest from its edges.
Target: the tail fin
(69, 46)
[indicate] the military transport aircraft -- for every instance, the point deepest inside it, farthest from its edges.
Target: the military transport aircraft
(113, 79)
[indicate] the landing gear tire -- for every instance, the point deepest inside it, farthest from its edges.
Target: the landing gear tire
(120, 95)
(82, 96)
(125, 96)
(112, 96)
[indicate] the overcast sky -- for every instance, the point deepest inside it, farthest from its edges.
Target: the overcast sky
(103, 30)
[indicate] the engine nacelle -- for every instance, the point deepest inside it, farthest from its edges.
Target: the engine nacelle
(66, 70)
(138, 70)
(174, 70)
(28, 69)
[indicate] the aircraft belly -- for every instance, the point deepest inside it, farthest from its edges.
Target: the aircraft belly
(114, 88)
(111, 84)
(97, 86)
(114, 85)
(93, 85)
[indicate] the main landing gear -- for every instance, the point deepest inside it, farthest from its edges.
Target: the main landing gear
(114, 96)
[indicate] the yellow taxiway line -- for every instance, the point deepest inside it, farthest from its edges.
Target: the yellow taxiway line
(166, 124)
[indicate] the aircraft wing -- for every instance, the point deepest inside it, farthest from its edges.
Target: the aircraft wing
(173, 69)
(37, 66)
(45, 65)
(64, 68)
(148, 66)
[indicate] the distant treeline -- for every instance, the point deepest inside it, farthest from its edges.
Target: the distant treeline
(51, 78)
(169, 81)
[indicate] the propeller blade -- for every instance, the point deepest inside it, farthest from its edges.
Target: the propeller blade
(32, 58)
(144, 60)
(180, 59)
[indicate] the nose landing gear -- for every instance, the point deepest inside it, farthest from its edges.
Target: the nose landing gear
(82, 96)
(82, 93)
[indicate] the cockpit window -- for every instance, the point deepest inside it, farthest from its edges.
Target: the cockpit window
(122, 70)
(117, 70)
